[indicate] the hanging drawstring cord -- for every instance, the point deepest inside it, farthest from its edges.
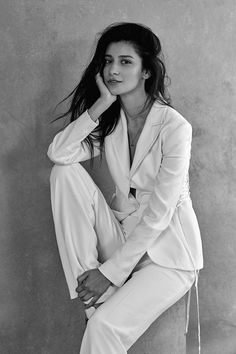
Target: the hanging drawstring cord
(198, 314)
(198, 311)
(187, 311)
(185, 194)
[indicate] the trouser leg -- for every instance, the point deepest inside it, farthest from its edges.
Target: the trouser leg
(87, 231)
(125, 316)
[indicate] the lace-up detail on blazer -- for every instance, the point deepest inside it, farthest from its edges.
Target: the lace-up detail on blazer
(185, 191)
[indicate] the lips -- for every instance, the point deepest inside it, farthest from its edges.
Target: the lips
(113, 81)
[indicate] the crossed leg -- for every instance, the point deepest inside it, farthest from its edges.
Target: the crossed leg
(86, 229)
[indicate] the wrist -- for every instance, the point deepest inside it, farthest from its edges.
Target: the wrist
(97, 109)
(110, 283)
(104, 103)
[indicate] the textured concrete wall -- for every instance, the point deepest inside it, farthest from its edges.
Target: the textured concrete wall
(44, 47)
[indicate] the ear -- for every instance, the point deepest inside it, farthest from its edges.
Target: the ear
(146, 74)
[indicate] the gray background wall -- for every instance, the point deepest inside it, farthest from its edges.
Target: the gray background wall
(44, 47)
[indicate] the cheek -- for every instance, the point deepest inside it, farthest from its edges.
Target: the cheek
(136, 74)
(104, 72)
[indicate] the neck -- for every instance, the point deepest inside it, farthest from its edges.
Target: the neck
(133, 110)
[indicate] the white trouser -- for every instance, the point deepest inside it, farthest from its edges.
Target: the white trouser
(87, 235)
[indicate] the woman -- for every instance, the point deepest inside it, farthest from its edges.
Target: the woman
(129, 261)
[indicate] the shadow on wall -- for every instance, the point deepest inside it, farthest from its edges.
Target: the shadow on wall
(36, 311)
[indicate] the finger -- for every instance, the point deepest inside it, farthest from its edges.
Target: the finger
(80, 287)
(101, 85)
(98, 78)
(81, 293)
(82, 277)
(87, 296)
(78, 290)
(92, 302)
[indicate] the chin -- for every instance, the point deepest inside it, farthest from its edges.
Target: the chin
(115, 91)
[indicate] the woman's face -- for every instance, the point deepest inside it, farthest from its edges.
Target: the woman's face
(123, 72)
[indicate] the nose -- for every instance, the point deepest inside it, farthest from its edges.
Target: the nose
(113, 69)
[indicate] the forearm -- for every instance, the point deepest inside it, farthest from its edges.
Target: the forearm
(96, 110)
(67, 146)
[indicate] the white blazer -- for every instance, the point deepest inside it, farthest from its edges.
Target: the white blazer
(165, 223)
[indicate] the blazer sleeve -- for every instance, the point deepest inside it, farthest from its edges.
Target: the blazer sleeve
(176, 146)
(68, 147)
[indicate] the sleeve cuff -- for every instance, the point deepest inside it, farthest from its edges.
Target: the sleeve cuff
(85, 122)
(111, 273)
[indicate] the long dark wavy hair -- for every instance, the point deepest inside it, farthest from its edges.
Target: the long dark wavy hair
(148, 47)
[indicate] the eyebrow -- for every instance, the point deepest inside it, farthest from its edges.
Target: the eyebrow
(120, 56)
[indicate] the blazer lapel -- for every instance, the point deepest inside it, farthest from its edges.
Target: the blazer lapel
(148, 136)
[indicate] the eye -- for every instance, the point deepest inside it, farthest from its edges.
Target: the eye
(107, 61)
(125, 61)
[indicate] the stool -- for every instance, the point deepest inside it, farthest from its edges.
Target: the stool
(166, 335)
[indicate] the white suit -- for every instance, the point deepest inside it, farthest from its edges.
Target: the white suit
(158, 224)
